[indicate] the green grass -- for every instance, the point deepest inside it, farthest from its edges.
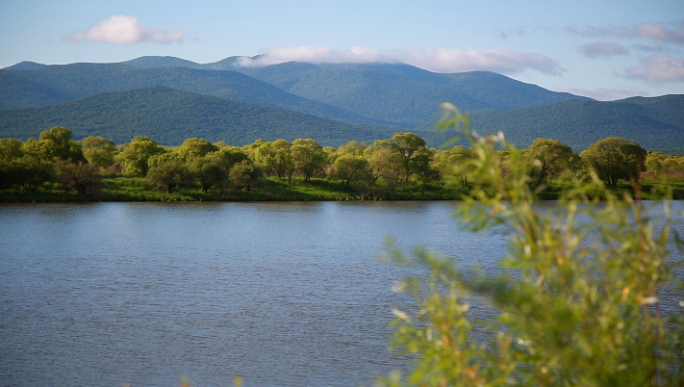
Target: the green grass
(123, 189)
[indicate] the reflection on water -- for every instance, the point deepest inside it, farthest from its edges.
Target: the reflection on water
(280, 293)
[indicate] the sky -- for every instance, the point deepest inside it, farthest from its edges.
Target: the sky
(604, 49)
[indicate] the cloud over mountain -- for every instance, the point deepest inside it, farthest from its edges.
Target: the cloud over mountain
(432, 59)
(124, 29)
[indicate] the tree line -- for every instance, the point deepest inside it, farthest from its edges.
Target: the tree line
(374, 169)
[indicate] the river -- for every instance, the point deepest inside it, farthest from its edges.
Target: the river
(142, 294)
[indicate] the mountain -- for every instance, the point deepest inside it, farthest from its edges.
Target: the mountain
(161, 61)
(170, 116)
(402, 94)
(655, 123)
(71, 82)
(17, 92)
(24, 66)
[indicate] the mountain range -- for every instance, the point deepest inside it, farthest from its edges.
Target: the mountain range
(229, 101)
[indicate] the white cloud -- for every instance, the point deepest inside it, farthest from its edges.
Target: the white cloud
(123, 29)
(604, 50)
(654, 31)
(608, 94)
(432, 59)
(659, 68)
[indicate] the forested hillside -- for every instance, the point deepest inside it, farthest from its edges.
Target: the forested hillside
(656, 123)
(80, 80)
(170, 116)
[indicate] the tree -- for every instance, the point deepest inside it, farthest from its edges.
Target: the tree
(169, 175)
(209, 170)
(551, 159)
(83, 178)
(580, 308)
(615, 159)
(353, 148)
(27, 172)
(308, 157)
(244, 174)
(383, 161)
(10, 148)
(407, 146)
(194, 147)
(56, 144)
(99, 151)
(276, 157)
(456, 162)
(133, 157)
(351, 168)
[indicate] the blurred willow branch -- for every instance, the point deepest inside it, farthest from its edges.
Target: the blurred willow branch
(581, 306)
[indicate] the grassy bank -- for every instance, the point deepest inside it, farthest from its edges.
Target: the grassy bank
(123, 189)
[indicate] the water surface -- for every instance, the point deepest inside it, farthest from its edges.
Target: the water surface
(283, 294)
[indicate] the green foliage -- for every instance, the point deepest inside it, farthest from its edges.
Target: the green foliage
(244, 174)
(99, 151)
(10, 148)
(56, 144)
(170, 175)
(28, 173)
(550, 158)
(351, 168)
(209, 170)
(615, 159)
(83, 178)
(578, 297)
(275, 157)
(308, 157)
(134, 156)
(413, 154)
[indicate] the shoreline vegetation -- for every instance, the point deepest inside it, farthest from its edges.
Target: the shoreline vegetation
(55, 168)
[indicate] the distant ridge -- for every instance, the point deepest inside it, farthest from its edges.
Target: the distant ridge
(24, 66)
(656, 123)
(170, 116)
(83, 79)
(161, 61)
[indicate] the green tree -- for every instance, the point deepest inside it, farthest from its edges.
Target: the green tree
(193, 147)
(351, 168)
(275, 157)
(28, 173)
(10, 148)
(55, 144)
(134, 156)
(308, 157)
(83, 178)
(383, 161)
(615, 159)
(409, 147)
(578, 297)
(209, 170)
(244, 174)
(551, 158)
(352, 148)
(99, 151)
(456, 162)
(169, 175)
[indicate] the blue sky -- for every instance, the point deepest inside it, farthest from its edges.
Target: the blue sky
(603, 49)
